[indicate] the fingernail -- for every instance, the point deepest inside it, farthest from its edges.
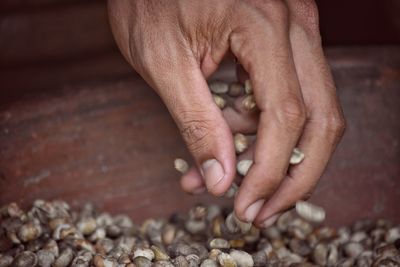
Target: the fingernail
(252, 211)
(213, 172)
(270, 221)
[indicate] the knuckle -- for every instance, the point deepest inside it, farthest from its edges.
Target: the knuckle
(306, 12)
(292, 114)
(195, 132)
(336, 124)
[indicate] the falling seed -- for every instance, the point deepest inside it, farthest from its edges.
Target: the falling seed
(241, 143)
(297, 156)
(231, 192)
(236, 89)
(243, 166)
(248, 88)
(220, 101)
(249, 103)
(310, 212)
(181, 165)
(218, 87)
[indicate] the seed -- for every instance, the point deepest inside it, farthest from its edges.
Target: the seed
(196, 226)
(45, 258)
(310, 212)
(231, 192)
(180, 261)
(65, 258)
(226, 260)
(218, 87)
(29, 231)
(101, 261)
(163, 264)
(242, 258)
(181, 165)
(214, 253)
(297, 156)
(243, 166)
(144, 252)
(236, 89)
(240, 142)
(25, 259)
(219, 101)
(248, 88)
(233, 224)
(159, 254)
(5, 260)
(87, 225)
(392, 234)
(141, 262)
(353, 249)
(209, 263)
(219, 243)
(260, 258)
(249, 103)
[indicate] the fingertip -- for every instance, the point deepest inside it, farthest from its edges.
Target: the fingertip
(192, 182)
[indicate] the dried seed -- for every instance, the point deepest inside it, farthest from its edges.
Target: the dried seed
(87, 225)
(243, 166)
(249, 102)
(196, 226)
(209, 263)
(180, 261)
(65, 258)
(226, 260)
(219, 243)
(242, 258)
(25, 259)
(29, 231)
(218, 87)
(159, 254)
(163, 264)
(236, 89)
(193, 259)
(296, 157)
(310, 212)
(181, 165)
(45, 258)
(248, 88)
(214, 253)
(353, 249)
(241, 143)
(392, 234)
(141, 262)
(101, 261)
(144, 252)
(219, 101)
(300, 247)
(260, 259)
(5, 260)
(231, 192)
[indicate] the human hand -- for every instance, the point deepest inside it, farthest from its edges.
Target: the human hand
(176, 45)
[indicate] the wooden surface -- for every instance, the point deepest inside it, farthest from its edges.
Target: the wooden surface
(98, 133)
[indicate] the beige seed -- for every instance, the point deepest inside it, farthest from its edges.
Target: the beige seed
(297, 156)
(249, 102)
(218, 87)
(233, 224)
(241, 143)
(231, 192)
(248, 88)
(159, 254)
(242, 258)
(181, 165)
(236, 89)
(220, 101)
(243, 166)
(209, 263)
(310, 212)
(225, 260)
(219, 243)
(144, 252)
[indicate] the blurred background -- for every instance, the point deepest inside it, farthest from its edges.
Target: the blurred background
(77, 123)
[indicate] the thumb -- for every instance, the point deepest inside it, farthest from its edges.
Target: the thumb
(202, 125)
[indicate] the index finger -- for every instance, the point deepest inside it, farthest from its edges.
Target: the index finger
(263, 48)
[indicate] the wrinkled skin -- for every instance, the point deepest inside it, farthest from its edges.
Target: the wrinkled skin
(176, 44)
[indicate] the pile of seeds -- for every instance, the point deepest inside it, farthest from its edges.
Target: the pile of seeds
(51, 234)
